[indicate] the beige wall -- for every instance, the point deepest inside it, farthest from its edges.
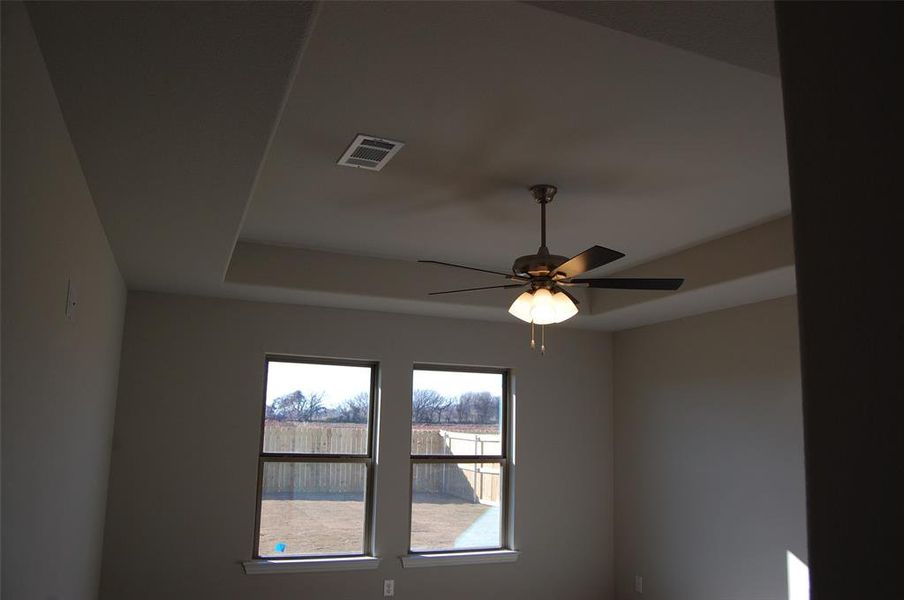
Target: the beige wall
(59, 376)
(709, 455)
(182, 498)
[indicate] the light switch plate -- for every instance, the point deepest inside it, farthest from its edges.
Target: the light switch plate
(638, 584)
(388, 587)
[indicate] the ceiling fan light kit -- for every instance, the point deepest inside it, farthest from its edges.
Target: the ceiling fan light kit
(547, 301)
(543, 307)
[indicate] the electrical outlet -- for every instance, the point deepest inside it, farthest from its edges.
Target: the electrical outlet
(388, 587)
(638, 584)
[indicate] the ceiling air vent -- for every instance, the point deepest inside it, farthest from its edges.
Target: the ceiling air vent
(370, 152)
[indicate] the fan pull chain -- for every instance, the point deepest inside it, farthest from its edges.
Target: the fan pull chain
(533, 338)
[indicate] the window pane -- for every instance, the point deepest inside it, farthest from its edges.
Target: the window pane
(316, 409)
(312, 509)
(456, 413)
(456, 506)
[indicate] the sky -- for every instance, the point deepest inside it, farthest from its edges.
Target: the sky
(340, 382)
(337, 382)
(454, 383)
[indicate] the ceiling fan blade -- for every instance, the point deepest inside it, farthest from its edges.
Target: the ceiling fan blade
(630, 283)
(570, 296)
(487, 287)
(445, 264)
(589, 259)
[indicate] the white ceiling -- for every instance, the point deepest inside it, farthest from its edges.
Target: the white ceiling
(740, 32)
(653, 148)
(199, 123)
(170, 106)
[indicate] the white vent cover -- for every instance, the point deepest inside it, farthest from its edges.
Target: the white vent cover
(370, 152)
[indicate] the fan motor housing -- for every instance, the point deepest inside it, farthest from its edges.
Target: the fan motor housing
(537, 265)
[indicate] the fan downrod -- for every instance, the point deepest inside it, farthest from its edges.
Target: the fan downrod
(541, 264)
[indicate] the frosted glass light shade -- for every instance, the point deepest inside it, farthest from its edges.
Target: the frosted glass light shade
(542, 307)
(565, 308)
(543, 312)
(521, 306)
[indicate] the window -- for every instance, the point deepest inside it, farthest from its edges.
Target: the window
(315, 476)
(459, 453)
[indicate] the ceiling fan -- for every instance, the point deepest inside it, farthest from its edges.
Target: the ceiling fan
(550, 275)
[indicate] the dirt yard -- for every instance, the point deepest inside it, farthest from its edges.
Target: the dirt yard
(319, 526)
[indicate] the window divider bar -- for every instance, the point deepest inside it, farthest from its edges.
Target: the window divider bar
(290, 457)
(426, 366)
(457, 458)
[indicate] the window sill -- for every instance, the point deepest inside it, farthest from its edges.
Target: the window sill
(444, 559)
(309, 565)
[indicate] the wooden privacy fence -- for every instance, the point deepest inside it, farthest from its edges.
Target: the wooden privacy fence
(471, 482)
(458, 442)
(315, 439)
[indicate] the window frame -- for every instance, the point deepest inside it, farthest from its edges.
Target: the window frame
(504, 459)
(368, 459)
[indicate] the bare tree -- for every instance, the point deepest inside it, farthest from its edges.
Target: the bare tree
(477, 407)
(354, 410)
(429, 406)
(297, 407)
